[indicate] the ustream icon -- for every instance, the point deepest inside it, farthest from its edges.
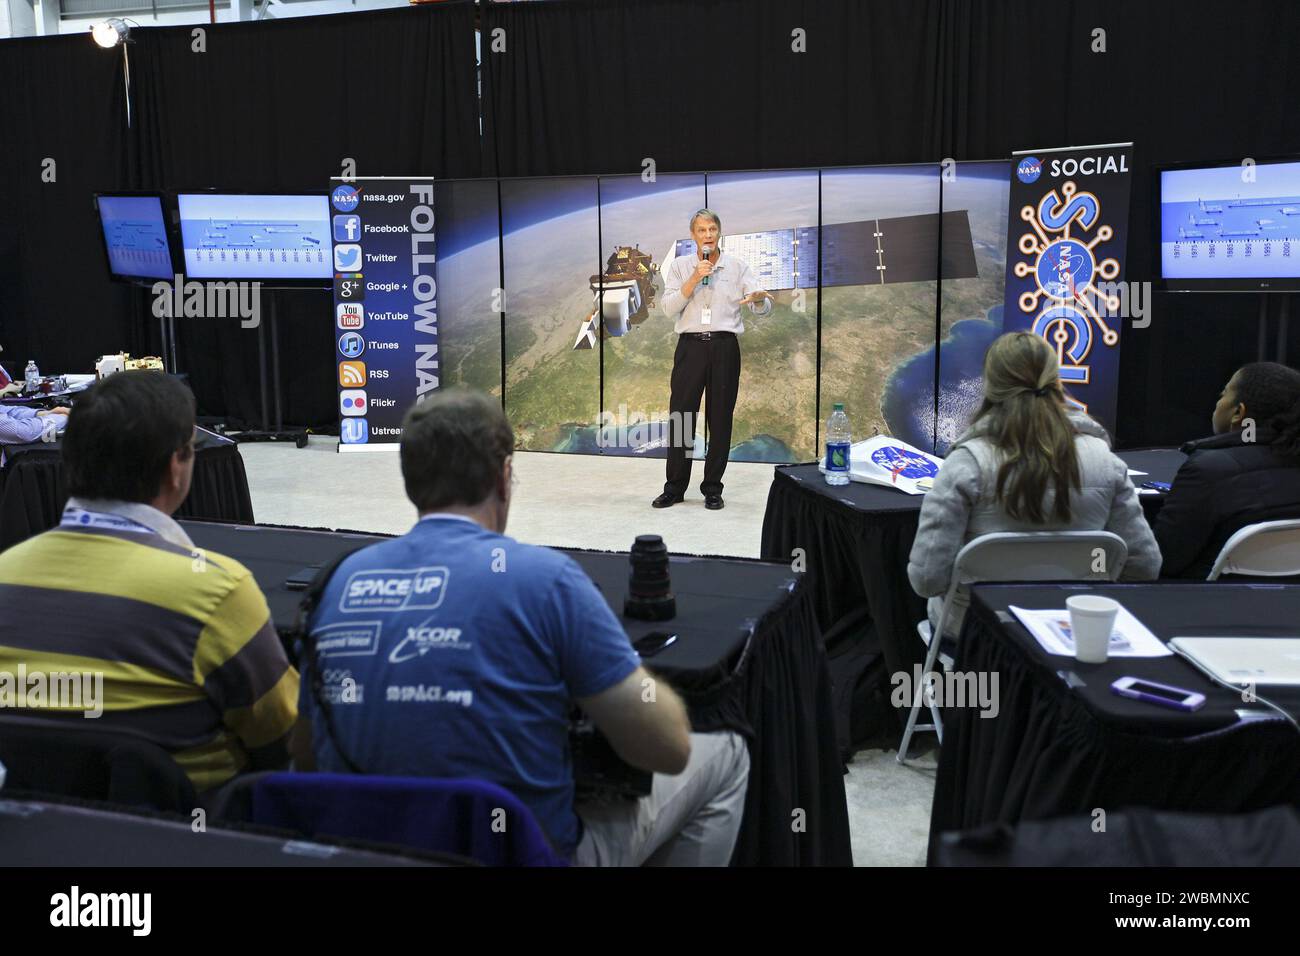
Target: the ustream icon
(352, 315)
(354, 431)
(352, 374)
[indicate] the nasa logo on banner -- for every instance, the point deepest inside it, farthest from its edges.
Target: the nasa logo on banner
(1029, 169)
(1066, 234)
(345, 198)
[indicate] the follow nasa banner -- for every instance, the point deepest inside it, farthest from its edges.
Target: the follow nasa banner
(1067, 230)
(385, 305)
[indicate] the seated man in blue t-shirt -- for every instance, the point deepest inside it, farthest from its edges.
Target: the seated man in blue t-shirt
(455, 651)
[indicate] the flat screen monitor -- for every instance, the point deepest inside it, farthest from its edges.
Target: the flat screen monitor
(135, 236)
(1230, 227)
(257, 237)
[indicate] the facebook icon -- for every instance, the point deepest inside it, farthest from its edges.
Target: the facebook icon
(347, 228)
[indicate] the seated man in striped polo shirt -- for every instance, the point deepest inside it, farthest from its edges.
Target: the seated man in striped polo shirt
(181, 639)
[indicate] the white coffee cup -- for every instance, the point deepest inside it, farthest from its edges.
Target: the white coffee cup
(1092, 619)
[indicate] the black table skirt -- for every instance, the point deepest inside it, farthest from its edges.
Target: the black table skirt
(851, 556)
(773, 687)
(1047, 754)
(794, 760)
(856, 540)
(33, 493)
(1138, 838)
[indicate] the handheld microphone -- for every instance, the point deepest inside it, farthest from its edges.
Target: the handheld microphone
(706, 252)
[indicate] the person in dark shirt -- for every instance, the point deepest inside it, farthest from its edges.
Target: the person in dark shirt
(1247, 472)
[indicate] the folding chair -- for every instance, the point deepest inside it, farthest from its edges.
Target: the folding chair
(1266, 549)
(1011, 556)
(469, 818)
(59, 757)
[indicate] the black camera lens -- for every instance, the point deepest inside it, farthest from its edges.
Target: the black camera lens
(649, 588)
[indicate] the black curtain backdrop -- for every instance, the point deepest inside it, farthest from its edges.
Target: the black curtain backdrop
(591, 86)
(273, 106)
(63, 105)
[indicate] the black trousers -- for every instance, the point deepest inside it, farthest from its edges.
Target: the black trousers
(701, 365)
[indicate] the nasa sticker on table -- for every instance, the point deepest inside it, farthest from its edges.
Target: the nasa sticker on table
(892, 462)
(385, 313)
(1067, 230)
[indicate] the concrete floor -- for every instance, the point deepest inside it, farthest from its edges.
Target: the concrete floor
(581, 501)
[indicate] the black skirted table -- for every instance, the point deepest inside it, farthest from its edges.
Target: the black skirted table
(1138, 838)
(856, 538)
(1063, 744)
(748, 658)
(33, 493)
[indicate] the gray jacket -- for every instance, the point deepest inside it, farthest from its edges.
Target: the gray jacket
(962, 506)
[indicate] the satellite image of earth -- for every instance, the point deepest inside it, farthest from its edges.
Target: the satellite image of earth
(877, 341)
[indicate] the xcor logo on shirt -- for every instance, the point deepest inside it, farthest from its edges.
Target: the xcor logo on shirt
(420, 640)
(404, 589)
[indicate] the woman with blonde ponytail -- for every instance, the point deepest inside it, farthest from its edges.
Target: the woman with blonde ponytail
(1027, 463)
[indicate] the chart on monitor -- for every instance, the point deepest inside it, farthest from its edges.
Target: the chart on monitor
(256, 237)
(135, 236)
(1237, 222)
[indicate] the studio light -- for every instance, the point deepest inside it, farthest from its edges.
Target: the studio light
(115, 32)
(110, 32)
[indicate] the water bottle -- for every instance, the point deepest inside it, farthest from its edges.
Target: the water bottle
(32, 376)
(838, 441)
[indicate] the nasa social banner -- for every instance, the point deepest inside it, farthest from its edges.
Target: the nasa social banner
(1067, 230)
(385, 305)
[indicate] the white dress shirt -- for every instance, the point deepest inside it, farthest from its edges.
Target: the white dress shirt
(731, 281)
(20, 425)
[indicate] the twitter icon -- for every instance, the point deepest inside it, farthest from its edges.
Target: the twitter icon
(347, 257)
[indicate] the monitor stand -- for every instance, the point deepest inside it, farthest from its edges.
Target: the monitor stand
(271, 391)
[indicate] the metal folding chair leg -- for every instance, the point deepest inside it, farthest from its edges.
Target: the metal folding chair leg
(937, 722)
(1010, 556)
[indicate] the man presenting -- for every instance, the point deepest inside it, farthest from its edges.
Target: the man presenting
(704, 294)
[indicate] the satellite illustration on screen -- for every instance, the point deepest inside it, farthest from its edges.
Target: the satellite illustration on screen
(869, 252)
(258, 237)
(136, 236)
(1230, 222)
(772, 256)
(784, 259)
